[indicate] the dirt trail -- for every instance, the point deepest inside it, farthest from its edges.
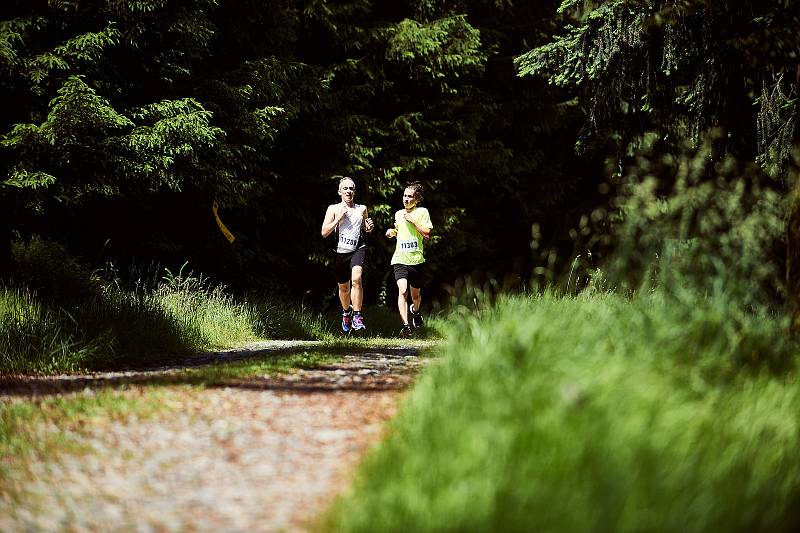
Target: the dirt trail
(263, 453)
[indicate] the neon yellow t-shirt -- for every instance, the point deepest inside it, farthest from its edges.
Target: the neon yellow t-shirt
(409, 249)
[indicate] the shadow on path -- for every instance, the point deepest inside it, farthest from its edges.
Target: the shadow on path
(360, 369)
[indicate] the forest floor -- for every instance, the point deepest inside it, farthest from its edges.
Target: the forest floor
(255, 453)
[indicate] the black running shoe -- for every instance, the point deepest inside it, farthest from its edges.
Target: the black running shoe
(406, 331)
(416, 318)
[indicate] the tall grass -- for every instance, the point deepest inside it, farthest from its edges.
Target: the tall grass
(593, 413)
(60, 317)
(34, 337)
(114, 327)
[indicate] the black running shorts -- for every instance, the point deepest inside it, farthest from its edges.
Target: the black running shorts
(413, 273)
(343, 264)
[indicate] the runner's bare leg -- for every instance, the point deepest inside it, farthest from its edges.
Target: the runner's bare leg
(344, 295)
(402, 301)
(357, 296)
(416, 297)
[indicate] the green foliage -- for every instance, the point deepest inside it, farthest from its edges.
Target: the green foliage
(78, 111)
(704, 222)
(23, 179)
(82, 49)
(697, 63)
(171, 132)
(11, 34)
(777, 124)
(83, 125)
(445, 49)
(95, 135)
(592, 413)
(684, 101)
(562, 59)
(131, 118)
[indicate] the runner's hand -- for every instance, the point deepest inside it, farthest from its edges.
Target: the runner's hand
(368, 224)
(408, 217)
(391, 232)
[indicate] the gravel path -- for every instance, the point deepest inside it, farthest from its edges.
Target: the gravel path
(266, 453)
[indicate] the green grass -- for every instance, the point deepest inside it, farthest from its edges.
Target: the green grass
(219, 374)
(116, 328)
(59, 317)
(383, 328)
(593, 413)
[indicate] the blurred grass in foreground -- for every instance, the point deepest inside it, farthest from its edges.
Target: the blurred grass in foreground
(593, 413)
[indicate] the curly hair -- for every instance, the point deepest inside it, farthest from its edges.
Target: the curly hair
(419, 190)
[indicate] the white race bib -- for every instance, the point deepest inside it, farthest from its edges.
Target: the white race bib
(346, 244)
(409, 246)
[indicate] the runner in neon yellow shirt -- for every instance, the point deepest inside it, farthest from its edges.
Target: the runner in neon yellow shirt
(412, 226)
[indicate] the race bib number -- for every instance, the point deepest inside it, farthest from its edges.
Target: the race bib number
(409, 246)
(347, 244)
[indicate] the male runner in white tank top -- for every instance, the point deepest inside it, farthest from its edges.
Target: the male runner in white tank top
(348, 220)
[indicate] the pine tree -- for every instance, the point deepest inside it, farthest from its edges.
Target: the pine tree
(654, 74)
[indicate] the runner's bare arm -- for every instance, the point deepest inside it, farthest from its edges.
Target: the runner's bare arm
(424, 231)
(332, 218)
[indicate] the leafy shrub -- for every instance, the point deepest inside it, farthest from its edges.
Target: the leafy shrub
(701, 222)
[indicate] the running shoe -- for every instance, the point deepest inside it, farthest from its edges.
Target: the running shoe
(416, 318)
(358, 323)
(347, 320)
(406, 331)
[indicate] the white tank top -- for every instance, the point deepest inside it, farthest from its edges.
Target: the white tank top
(349, 230)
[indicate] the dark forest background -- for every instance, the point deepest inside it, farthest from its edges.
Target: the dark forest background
(535, 127)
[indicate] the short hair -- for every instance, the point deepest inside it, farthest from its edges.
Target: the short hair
(419, 190)
(343, 178)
